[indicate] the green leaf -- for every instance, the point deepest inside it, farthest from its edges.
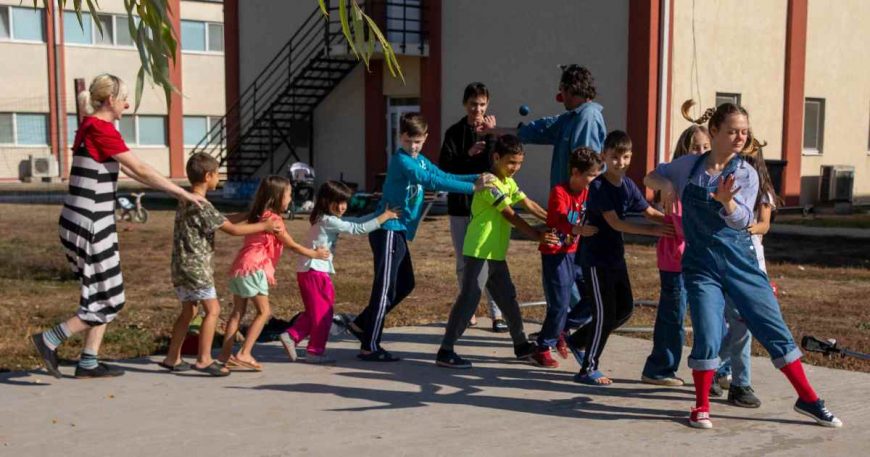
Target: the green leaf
(140, 82)
(345, 25)
(359, 34)
(96, 18)
(322, 4)
(389, 54)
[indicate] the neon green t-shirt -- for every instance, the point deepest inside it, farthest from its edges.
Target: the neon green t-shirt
(489, 232)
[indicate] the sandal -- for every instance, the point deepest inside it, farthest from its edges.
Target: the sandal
(592, 379)
(215, 369)
(381, 355)
(235, 363)
(177, 368)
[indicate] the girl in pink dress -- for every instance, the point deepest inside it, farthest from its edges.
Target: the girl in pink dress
(253, 270)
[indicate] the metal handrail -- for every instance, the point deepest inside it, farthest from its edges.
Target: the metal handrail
(314, 39)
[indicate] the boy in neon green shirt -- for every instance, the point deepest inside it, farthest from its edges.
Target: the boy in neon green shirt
(486, 243)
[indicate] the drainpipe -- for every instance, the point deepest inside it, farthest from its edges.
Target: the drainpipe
(664, 63)
(58, 87)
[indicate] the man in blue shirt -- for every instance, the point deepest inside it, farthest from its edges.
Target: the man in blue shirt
(581, 125)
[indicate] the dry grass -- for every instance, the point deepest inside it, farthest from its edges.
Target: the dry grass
(817, 298)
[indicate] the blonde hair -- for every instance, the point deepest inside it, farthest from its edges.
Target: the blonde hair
(103, 88)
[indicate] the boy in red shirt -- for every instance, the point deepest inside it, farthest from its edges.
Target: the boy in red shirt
(566, 211)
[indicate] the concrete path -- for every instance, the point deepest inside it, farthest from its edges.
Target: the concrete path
(807, 230)
(499, 408)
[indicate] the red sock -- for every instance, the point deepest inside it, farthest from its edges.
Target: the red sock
(703, 381)
(796, 376)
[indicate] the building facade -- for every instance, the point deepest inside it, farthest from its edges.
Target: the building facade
(49, 51)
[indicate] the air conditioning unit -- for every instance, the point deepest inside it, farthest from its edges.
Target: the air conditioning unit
(43, 166)
(837, 183)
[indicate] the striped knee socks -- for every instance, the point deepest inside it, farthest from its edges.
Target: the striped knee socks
(56, 335)
(88, 360)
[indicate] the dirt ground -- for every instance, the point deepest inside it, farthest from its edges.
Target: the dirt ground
(824, 284)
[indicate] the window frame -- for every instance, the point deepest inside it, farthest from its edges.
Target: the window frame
(206, 39)
(11, 25)
(735, 97)
(820, 128)
(95, 33)
(15, 143)
(134, 142)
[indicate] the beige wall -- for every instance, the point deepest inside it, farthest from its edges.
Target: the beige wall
(723, 33)
(202, 82)
(339, 131)
(514, 47)
(395, 87)
(838, 64)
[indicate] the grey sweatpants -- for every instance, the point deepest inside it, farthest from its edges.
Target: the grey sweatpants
(503, 291)
(458, 227)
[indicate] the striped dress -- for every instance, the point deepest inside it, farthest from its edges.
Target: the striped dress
(87, 221)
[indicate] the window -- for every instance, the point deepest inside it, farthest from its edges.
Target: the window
(73, 32)
(216, 37)
(31, 129)
(106, 37)
(195, 129)
(814, 125)
(7, 131)
(24, 129)
(403, 21)
(202, 36)
(72, 125)
(22, 24)
(127, 128)
(143, 130)
(151, 130)
(726, 97)
(116, 30)
(4, 24)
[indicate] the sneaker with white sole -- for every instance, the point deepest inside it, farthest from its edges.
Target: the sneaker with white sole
(818, 412)
(289, 345)
(669, 381)
(700, 418)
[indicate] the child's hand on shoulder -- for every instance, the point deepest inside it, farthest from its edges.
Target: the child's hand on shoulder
(483, 181)
(388, 214)
(273, 226)
(584, 230)
(664, 230)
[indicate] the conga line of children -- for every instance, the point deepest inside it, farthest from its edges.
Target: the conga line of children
(715, 196)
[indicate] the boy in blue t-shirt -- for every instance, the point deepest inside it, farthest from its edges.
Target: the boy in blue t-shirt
(408, 175)
(602, 257)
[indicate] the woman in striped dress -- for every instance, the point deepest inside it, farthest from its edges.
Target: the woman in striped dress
(87, 225)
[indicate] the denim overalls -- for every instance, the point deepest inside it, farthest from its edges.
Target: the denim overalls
(719, 261)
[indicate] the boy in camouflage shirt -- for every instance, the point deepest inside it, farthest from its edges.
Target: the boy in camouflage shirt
(192, 270)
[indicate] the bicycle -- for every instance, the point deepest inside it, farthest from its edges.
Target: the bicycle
(129, 211)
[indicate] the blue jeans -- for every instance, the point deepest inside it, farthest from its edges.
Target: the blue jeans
(561, 277)
(736, 348)
(668, 334)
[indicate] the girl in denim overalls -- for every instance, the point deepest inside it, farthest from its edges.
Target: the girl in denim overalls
(718, 191)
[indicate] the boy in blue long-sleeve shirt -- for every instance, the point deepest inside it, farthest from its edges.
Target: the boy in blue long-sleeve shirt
(408, 175)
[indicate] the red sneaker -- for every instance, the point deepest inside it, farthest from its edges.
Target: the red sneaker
(544, 359)
(562, 346)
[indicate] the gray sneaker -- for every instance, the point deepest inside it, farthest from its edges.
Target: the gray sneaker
(322, 359)
(743, 397)
(289, 345)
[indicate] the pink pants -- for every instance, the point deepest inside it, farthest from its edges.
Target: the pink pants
(318, 296)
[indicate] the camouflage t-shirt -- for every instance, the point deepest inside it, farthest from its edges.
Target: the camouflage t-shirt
(193, 245)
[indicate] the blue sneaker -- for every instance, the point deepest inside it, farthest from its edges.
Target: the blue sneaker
(818, 412)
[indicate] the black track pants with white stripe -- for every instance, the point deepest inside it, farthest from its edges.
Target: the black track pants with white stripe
(393, 281)
(609, 291)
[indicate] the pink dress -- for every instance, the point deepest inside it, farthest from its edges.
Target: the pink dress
(669, 250)
(261, 251)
